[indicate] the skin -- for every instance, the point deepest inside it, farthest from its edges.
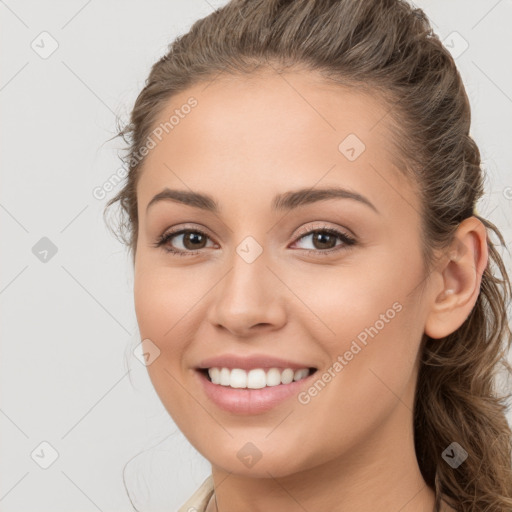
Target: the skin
(248, 139)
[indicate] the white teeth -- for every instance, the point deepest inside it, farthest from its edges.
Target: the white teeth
(214, 374)
(255, 379)
(300, 374)
(273, 377)
(287, 376)
(224, 377)
(238, 378)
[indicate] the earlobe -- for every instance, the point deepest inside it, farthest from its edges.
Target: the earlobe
(461, 272)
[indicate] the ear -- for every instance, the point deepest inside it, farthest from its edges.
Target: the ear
(455, 294)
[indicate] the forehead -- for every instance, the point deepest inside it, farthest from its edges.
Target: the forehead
(268, 133)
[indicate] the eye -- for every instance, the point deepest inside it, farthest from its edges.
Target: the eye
(324, 240)
(192, 241)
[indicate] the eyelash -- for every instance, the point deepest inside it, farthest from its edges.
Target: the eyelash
(347, 240)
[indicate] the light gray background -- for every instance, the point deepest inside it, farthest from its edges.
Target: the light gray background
(67, 323)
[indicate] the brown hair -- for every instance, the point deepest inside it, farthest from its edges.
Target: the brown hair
(388, 48)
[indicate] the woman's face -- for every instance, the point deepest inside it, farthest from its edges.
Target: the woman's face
(257, 281)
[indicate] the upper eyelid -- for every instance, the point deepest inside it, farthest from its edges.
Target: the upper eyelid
(301, 232)
(324, 226)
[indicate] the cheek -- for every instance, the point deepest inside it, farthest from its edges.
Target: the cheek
(371, 374)
(369, 324)
(161, 308)
(162, 299)
(148, 305)
(351, 301)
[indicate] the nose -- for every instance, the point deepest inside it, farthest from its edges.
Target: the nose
(248, 299)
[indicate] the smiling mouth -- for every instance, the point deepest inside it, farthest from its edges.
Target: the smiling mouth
(282, 378)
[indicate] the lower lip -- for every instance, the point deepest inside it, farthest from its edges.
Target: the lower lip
(250, 401)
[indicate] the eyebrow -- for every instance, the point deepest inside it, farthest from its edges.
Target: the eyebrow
(281, 202)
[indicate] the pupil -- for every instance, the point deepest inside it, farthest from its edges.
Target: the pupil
(321, 236)
(193, 236)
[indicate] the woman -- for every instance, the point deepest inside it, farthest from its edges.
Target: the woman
(310, 271)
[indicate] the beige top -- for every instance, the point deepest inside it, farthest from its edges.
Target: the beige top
(199, 500)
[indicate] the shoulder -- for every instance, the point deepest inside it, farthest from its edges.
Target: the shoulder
(199, 500)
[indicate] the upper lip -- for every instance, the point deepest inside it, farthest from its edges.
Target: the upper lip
(249, 362)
